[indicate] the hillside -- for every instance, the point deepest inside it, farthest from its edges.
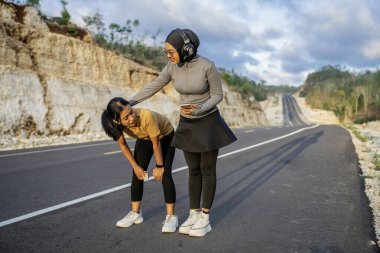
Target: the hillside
(351, 96)
(54, 86)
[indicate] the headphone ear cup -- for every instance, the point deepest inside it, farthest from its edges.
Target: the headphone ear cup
(188, 51)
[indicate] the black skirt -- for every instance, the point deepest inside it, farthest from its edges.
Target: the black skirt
(202, 134)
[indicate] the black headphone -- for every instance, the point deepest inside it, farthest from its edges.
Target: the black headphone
(188, 49)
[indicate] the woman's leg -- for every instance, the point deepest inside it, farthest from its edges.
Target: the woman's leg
(193, 161)
(195, 190)
(168, 153)
(208, 170)
(143, 153)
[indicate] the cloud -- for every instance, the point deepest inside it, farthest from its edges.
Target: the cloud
(339, 33)
(372, 50)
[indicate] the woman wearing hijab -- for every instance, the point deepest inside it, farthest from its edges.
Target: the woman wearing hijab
(201, 131)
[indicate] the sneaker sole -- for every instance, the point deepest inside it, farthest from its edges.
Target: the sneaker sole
(168, 232)
(198, 233)
(136, 222)
(184, 230)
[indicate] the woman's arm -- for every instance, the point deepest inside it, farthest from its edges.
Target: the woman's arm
(157, 172)
(149, 90)
(128, 154)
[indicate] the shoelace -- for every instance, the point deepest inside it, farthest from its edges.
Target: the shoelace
(129, 215)
(201, 220)
(192, 214)
(168, 220)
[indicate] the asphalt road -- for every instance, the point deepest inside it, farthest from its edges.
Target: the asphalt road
(291, 111)
(300, 192)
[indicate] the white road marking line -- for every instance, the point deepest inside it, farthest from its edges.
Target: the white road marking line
(56, 207)
(59, 149)
(250, 131)
(268, 141)
(115, 152)
(95, 195)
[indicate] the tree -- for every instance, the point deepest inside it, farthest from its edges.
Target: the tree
(114, 28)
(65, 15)
(34, 3)
(96, 25)
(154, 36)
(352, 95)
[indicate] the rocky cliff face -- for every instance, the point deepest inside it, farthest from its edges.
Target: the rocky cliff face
(54, 85)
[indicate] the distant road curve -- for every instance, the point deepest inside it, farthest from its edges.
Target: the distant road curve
(291, 111)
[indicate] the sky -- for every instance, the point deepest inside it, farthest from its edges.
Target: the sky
(278, 41)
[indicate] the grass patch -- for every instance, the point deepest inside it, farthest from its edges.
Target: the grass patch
(376, 161)
(366, 177)
(276, 101)
(355, 131)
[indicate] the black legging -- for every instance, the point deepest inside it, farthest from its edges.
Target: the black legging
(202, 177)
(143, 154)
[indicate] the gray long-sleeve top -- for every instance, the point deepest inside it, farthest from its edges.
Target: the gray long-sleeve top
(197, 82)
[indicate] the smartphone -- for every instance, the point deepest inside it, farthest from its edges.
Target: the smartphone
(185, 105)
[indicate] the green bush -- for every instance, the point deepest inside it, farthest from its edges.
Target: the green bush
(73, 30)
(358, 135)
(376, 161)
(243, 85)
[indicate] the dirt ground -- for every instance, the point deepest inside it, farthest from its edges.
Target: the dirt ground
(369, 159)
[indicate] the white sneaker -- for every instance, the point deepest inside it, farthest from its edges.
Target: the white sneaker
(201, 227)
(170, 224)
(130, 219)
(193, 217)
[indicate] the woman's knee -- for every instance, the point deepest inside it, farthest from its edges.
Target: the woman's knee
(136, 181)
(208, 164)
(208, 169)
(194, 172)
(167, 178)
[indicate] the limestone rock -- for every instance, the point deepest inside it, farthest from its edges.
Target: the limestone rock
(7, 12)
(33, 19)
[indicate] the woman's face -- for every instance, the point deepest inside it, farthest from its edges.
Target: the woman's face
(171, 53)
(128, 117)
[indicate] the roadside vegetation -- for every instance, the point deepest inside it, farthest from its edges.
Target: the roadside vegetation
(353, 97)
(356, 132)
(376, 161)
(244, 85)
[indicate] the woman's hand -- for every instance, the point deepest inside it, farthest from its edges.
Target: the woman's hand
(188, 109)
(139, 172)
(157, 173)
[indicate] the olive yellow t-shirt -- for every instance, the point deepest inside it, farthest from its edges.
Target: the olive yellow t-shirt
(149, 124)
